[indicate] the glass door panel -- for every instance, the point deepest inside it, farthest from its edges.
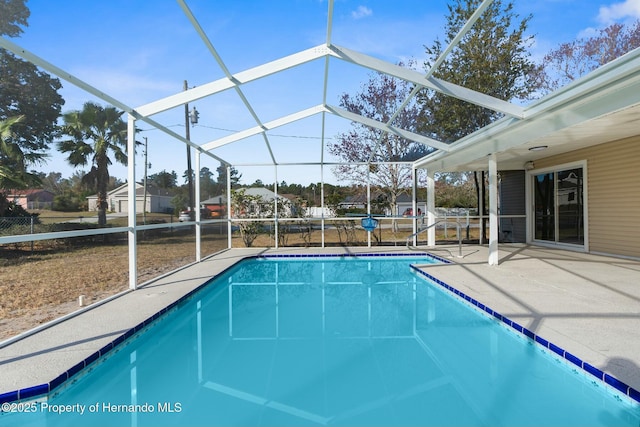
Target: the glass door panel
(544, 189)
(570, 206)
(559, 206)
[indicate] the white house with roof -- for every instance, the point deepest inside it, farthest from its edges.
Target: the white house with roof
(158, 200)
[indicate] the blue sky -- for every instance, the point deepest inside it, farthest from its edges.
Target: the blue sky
(140, 51)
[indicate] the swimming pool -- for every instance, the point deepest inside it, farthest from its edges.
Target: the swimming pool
(330, 341)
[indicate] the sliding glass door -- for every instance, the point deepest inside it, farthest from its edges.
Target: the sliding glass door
(559, 206)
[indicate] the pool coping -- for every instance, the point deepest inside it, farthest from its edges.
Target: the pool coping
(586, 367)
(43, 391)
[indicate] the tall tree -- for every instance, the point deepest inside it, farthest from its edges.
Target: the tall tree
(222, 177)
(96, 133)
(208, 187)
(25, 92)
(380, 99)
(574, 59)
(53, 182)
(492, 58)
(164, 179)
(13, 14)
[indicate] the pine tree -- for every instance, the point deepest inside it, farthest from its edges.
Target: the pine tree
(492, 58)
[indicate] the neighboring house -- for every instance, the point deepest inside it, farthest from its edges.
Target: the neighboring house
(217, 206)
(158, 200)
(319, 212)
(405, 205)
(32, 199)
(359, 201)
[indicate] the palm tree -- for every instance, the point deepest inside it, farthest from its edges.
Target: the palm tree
(13, 161)
(7, 151)
(96, 132)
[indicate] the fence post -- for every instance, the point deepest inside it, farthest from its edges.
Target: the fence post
(467, 224)
(32, 231)
(446, 234)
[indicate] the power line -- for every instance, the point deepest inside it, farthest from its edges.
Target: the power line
(234, 131)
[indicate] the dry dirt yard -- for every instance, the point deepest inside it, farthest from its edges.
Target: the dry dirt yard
(45, 284)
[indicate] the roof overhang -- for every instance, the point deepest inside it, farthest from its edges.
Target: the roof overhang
(602, 106)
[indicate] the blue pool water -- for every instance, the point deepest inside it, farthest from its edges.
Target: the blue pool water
(330, 341)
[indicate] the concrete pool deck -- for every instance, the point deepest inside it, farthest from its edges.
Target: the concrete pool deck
(587, 304)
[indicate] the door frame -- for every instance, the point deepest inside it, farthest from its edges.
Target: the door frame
(530, 205)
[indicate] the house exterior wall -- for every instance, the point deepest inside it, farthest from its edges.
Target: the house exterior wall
(37, 199)
(155, 204)
(21, 201)
(159, 204)
(403, 206)
(613, 176)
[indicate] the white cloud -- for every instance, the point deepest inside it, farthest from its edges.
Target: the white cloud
(361, 12)
(627, 9)
(587, 33)
(126, 86)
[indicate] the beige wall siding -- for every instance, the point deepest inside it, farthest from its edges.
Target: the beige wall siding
(613, 185)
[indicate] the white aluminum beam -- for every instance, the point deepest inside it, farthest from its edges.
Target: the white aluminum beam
(198, 216)
(620, 71)
(226, 83)
(431, 208)
(417, 78)
(414, 205)
(614, 87)
(325, 85)
(47, 66)
(214, 53)
(131, 202)
(329, 22)
(325, 163)
(5, 240)
(386, 128)
(493, 210)
(196, 25)
(454, 42)
(237, 136)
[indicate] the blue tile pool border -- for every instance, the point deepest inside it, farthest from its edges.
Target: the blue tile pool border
(355, 255)
(558, 351)
(44, 390)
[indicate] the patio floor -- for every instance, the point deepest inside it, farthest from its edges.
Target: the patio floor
(587, 304)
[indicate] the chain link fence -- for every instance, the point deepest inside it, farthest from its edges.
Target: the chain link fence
(17, 225)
